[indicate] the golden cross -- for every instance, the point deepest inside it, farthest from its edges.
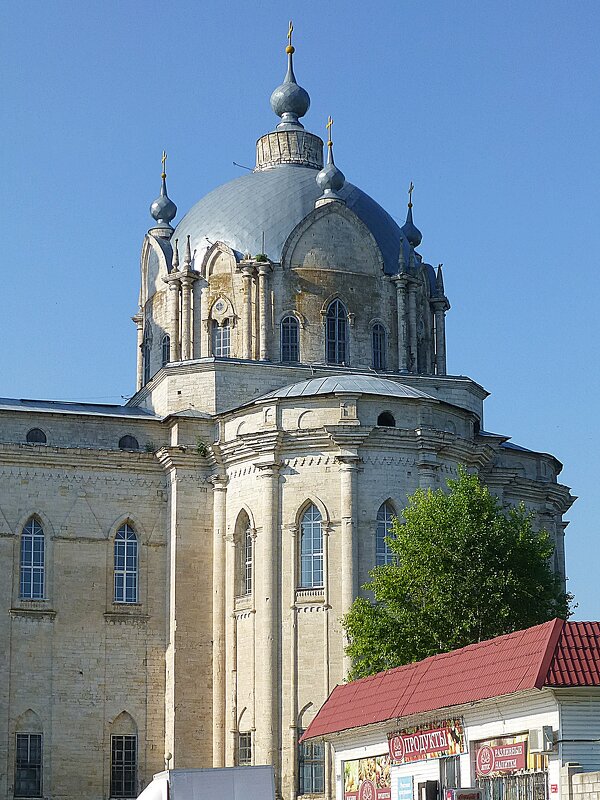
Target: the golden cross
(164, 164)
(410, 191)
(290, 30)
(328, 126)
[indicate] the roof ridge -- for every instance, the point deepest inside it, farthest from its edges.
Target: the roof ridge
(554, 634)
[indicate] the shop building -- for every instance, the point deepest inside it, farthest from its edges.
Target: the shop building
(512, 718)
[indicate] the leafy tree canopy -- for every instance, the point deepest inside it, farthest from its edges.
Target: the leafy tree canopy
(465, 569)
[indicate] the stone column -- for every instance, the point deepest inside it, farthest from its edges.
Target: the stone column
(263, 299)
(139, 324)
(400, 282)
(174, 287)
(230, 654)
(186, 317)
(412, 321)
(266, 611)
(247, 272)
(349, 544)
(440, 337)
(218, 621)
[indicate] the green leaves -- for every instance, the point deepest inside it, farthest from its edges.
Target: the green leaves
(466, 569)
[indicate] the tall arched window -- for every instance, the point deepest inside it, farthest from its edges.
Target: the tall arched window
(290, 339)
(221, 339)
(166, 349)
(336, 333)
(31, 580)
(146, 351)
(126, 565)
(379, 348)
(311, 548)
(383, 554)
(244, 547)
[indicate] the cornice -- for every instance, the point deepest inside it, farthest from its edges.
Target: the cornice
(77, 458)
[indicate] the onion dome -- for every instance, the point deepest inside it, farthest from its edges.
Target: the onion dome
(330, 179)
(409, 230)
(163, 209)
(290, 101)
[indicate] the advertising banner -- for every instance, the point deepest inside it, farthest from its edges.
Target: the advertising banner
(501, 756)
(436, 740)
(367, 779)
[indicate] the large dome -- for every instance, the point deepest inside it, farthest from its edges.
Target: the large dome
(271, 203)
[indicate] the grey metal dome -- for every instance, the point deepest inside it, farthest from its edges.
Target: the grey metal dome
(163, 209)
(290, 101)
(272, 202)
(330, 179)
(355, 384)
(409, 229)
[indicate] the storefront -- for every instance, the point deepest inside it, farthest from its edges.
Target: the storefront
(423, 731)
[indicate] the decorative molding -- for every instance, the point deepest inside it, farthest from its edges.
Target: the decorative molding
(34, 613)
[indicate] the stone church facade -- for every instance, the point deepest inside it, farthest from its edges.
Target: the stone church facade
(175, 569)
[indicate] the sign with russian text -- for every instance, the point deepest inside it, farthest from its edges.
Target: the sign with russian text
(437, 740)
(367, 779)
(405, 787)
(501, 756)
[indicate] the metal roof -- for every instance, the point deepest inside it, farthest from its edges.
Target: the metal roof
(353, 384)
(556, 654)
(64, 407)
(272, 202)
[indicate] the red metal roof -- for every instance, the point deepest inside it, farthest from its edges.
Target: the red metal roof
(556, 653)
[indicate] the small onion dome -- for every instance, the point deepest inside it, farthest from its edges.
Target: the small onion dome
(410, 231)
(163, 209)
(290, 101)
(330, 179)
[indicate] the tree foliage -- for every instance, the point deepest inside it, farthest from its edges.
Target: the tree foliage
(466, 568)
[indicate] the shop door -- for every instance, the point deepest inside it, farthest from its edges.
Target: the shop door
(532, 786)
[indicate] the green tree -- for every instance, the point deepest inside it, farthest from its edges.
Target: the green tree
(466, 568)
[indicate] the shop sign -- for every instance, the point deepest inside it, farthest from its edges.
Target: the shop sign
(501, 756)
(437, 740)
(367, 779)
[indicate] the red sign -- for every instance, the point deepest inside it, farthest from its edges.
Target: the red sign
(501, 758)
(433, 741)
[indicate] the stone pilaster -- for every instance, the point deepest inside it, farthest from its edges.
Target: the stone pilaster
(439, 311)
(174, 293)
(264, 270)
(219, 519)
(412, 324)
(348, 465)
(139, 324)
(247, 274)
(403, 344)
(187, 279)
(267, 689)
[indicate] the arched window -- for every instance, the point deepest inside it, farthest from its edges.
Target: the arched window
(311, 548)
(221, 339)
(166, 349)
(146, 352)
(379, 348)
(386, 420)
(128, 442)
(126, 565)
(31, 581)
(245, 555)
(336, 333)
(290, 339)
(383, 554)
(36, 436)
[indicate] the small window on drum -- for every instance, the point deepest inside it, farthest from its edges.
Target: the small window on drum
(128, 443)
(36, 436)
(290, 340)
(386, 420)
(378, 343)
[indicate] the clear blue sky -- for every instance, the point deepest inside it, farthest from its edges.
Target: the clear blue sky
(491, 108)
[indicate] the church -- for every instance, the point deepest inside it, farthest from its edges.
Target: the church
(175, 569)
